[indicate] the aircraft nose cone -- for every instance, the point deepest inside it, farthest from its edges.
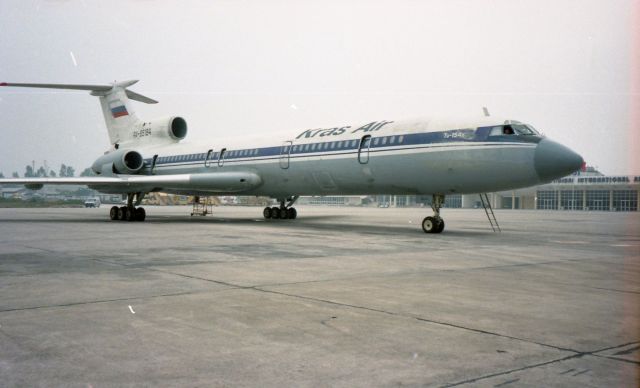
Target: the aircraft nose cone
(553, 160)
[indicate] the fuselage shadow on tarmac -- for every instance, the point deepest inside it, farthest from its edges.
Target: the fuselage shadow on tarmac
(315, 223)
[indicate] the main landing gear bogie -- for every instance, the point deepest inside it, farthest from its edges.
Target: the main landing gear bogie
(129, 212)
(125, 213)
(284, 212)
(277, 213)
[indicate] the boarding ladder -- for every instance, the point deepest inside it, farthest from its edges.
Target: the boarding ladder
(202, 206)
(486, 204)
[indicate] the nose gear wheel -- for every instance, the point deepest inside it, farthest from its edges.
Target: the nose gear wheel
(435, 223)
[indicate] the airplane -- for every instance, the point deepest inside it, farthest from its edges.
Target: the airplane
(426, 156)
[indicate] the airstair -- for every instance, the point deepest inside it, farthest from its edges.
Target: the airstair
(202, 206)
(486, 204)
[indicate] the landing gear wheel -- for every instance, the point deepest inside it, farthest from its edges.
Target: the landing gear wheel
(440, 226)
(292, 213)
(266, 212)
(113, 213)
(141, 214)
(122, 213)
(430, 225)
(130, 215)
(275, 213)
(284, 214)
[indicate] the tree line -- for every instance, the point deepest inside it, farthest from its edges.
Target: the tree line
(41, 172)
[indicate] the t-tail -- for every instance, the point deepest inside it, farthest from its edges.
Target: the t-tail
(123, 125)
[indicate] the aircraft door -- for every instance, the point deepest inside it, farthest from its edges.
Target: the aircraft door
(285, 154)
(207, 160)
(153, 164)
(363, 149)
(221, 157)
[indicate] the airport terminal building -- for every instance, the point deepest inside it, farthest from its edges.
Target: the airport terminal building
(587, 190)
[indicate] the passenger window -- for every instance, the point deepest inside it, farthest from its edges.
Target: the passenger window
(392, 140)
(383, 141)
(375, 141)
(400, 139)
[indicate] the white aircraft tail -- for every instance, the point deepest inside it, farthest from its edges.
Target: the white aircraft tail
(119, 115)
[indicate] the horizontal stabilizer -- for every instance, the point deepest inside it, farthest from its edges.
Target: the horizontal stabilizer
(97, 90)
(140, 97)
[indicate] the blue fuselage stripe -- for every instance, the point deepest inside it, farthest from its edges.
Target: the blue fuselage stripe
(345, 147)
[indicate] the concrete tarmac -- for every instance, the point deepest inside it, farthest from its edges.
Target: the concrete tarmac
(339, 297)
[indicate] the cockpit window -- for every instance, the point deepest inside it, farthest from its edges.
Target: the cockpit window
(501, 130)
(523, 129)
(513, 129)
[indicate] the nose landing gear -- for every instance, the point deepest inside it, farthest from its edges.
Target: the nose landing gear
(434, 224)
(284, 211)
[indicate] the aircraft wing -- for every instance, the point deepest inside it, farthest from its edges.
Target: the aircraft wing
(218, 182)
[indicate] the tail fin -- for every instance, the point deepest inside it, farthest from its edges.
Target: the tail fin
(118, 112)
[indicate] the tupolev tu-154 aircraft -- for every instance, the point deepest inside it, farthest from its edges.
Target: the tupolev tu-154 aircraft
(410, 157)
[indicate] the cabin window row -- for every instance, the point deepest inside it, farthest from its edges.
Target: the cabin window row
(299, 148)
(345, 144)
(213, 156)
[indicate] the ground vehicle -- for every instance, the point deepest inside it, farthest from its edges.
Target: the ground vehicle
(92, 202)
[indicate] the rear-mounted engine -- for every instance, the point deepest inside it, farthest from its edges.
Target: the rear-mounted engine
(119, 162)
(171, 129)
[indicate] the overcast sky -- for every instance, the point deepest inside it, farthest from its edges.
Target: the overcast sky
(570, 68)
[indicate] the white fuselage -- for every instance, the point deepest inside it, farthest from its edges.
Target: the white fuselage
(382, 157)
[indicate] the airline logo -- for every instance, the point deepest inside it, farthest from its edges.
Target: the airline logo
(118, 109)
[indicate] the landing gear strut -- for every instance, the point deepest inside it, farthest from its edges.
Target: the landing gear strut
(434, 224)
(129, 212)
(285, 211)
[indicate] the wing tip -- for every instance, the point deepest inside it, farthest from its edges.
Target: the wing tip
(4, 84)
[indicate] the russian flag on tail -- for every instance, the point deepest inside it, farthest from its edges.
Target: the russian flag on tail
(118, 109)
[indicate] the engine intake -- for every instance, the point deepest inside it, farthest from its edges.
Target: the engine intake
(119, 162)
(178, 128)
